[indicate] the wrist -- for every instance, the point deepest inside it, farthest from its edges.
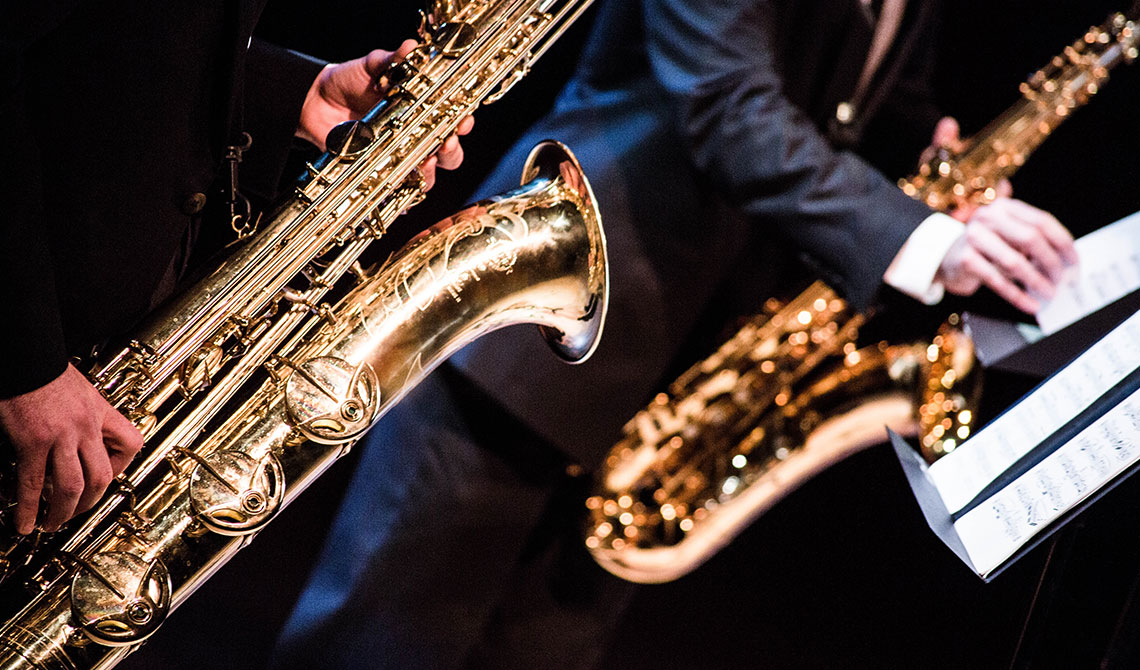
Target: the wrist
(914, 270)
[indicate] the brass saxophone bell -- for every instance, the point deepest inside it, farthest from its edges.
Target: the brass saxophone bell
(787, 397)
(533, 255)
(551, 166)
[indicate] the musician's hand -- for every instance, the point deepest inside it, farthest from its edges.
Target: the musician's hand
(346, 91)
(946, 136)
(1015, 249)
(65, 433)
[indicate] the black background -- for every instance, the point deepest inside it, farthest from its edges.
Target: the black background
(844, 573)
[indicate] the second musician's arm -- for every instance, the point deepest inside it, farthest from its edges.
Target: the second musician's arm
(718, 62)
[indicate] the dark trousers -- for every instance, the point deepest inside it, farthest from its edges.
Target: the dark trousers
(458, 545)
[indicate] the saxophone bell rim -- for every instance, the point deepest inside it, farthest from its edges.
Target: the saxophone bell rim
(551, 159)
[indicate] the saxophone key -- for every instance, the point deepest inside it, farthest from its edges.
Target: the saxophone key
(233, 493)
(118, 598)
(349, 139)
(454, 38)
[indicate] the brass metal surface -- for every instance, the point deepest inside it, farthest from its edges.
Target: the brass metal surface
(1048, 97)
(254, 381)
(790, 394)
(535, 255)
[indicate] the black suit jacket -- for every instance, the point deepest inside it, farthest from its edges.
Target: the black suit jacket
(114, 115)
(682, 107)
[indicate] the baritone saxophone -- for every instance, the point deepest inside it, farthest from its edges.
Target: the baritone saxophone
(791, 393)
(536, 255)
(249, 385)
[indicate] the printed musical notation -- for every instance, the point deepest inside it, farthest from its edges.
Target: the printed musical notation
(1109, 269)
(994, 530)
(961, 475)
(1019, 477)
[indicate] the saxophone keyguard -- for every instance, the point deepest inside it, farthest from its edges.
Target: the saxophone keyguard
(330, 400)
(233, 493)
(118, 599)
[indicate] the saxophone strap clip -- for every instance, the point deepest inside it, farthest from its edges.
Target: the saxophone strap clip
(238, 205)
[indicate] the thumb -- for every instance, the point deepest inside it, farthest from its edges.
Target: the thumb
(946, 134)
(1004, 189)
(378, 60)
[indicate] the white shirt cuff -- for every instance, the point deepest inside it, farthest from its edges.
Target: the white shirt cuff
(913, 269)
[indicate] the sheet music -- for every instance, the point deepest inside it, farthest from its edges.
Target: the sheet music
(962, 474)
(994, 530)
(1109, 269)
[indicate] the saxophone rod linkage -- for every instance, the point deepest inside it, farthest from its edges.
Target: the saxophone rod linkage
(313, 240)
(252, 293)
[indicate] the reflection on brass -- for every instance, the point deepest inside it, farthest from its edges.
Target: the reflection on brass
(253, 382)
(330, 400)
(533, 255)
(790, 394)
(119, 598)
(232, 493)
(1049, 97)
(787, 396)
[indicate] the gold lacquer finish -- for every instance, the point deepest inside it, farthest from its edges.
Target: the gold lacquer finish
(251, 383)
(1049, 97)
(534, 255)
(790, 394)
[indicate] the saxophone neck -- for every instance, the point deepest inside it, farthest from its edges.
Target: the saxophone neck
(949, 181)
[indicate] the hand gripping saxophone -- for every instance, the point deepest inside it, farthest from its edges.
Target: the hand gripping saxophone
(251, 384)
(790, 394)
(1048, 97)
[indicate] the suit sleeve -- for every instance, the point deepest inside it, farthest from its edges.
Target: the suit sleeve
(31, 330)
(31, 334)
(276, 82)
(715, 59)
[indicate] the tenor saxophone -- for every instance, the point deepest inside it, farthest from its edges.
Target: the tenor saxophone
(790, 394)
(252, 383)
